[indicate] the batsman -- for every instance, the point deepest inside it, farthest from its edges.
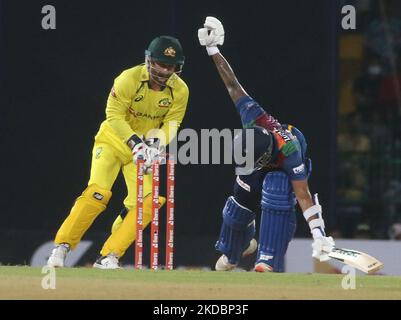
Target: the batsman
(273, 183)
(144, 110)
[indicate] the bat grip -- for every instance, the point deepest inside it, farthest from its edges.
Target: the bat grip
(315, 198)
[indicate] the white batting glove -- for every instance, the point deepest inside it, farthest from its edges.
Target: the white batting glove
(322, 246)
(211, 35)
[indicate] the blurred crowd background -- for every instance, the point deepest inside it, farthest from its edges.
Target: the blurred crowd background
(368, 133)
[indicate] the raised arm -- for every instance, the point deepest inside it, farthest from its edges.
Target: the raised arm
(250, 111)
(227, 75)
(211, 36)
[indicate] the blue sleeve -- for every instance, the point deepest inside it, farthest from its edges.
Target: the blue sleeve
(301, 140)
(252, 114)
(249, 111)
(294, 166)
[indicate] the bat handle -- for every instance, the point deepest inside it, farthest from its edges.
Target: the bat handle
(315, 198)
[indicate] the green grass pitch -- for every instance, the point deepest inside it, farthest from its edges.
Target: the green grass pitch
(88, 283)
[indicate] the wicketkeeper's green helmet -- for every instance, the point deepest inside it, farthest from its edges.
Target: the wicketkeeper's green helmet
(166, 49)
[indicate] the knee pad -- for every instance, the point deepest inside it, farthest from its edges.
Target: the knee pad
(237, 230)
(278, 220)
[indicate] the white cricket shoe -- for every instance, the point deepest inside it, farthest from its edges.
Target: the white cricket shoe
(59, 253)
(223, 265)
(107, 262)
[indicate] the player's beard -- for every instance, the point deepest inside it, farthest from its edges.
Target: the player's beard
(161, 81)
(159, 77)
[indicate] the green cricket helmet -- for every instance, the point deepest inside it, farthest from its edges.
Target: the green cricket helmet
(163, 53)
(166, 49)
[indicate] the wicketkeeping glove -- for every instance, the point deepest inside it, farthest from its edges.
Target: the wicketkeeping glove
(153, 152)
(136, 144)
(141, 149)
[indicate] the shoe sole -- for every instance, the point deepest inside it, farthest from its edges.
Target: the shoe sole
(100, 266)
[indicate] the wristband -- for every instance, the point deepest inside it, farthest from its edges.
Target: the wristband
(133, 141)
(211, 51)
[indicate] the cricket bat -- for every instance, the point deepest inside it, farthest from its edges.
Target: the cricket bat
(356, 259)
(359, 260)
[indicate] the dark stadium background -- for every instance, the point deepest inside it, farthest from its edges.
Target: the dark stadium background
(54, 86)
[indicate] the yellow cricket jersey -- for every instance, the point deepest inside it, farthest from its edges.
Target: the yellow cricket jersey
(133, 108)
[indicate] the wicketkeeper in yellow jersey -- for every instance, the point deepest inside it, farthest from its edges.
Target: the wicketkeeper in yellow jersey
(144, 110)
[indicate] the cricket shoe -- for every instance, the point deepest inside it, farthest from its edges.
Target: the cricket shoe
(107, 262)
(59, 253)
(253, 245)
(223, 265)
(263, 267)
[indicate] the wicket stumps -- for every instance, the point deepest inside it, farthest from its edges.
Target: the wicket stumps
(139, 215)
(154, 232)
(170, 214)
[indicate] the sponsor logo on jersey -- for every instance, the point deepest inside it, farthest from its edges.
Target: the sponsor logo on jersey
(299, 169)
(138, 98)
(164, 103)
(98, 196)
(169, 52)
(141, 114)
(282, 134)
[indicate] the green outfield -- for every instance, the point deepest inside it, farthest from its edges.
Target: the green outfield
(88, 283)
